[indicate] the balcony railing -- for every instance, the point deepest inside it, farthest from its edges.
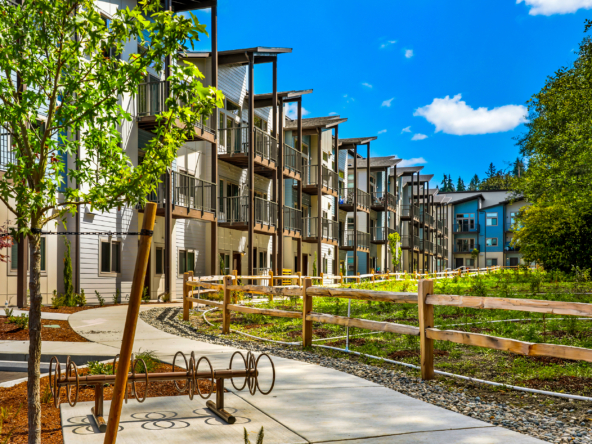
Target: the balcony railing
(347, 197)
(330, 178)
(439, 249)
(416, 241)
(445, 231)
(194, 193)
(383, 199)
(445, 251)
(330, 228)
(380, 234)
(406, 211)
(466, 228)
(152, 98)
(509, 247)
(266, 146)
(236, 141)
(266, 212)
(439, 225)
(234, 209)
(292, 159)
(363, 239)
(406, 241)
(426, 217)
(6, 155)
(292, 219)
(465, 247)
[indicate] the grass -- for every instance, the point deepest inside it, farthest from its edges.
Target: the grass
(546, 373)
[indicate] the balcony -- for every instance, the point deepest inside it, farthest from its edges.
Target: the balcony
(465, 247)
(511, 248)
(383, 201)
(466, 227)
(292, 162)
(410, 242)
(233, 148)
(329, 233)
(349, 243)
(439, 226)
(292, 222)
(234, 213)
(408, 211)
(330, 180)
(379, 235)
(439, 250)
(426, 217)
(445, 252)
(346, 200)
(192, 198)
(151, 101)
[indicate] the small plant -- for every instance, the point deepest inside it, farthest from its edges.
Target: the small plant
(166, 297)
(4, 414)
(46, 395)
(222, 264)
(100, 298)
(259, 436)
(8, 312)
(116, 296)
(80, 299)
(21, 321)
(478, 288)
(536, 280)
(100, 368)
(145, 295)
(474, 255)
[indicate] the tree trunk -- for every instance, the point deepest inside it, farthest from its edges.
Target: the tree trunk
(33, 385)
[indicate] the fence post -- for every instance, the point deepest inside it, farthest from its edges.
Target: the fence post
(426, 320)
(358, 278)
(340, 278)
(306, 309)
(186, 304)
(225, 302)
(271, 285)
(299, 280)
(322, 279)
(373, 276)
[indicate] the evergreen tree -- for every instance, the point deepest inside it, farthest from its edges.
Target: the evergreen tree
(491, 171)
(460, 185)
(474, 183)
(451, 188)
(68, 285)
(518, 169)
(444, 184)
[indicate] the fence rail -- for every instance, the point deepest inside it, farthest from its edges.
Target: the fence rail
(426, 300)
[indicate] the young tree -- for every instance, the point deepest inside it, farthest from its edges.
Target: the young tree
(460, 185)
(394, 240)
(63, 72)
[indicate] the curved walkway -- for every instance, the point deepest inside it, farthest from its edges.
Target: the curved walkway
(309, 403)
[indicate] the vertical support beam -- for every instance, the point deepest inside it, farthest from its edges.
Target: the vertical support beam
(216, 124)
(336, 270)
(319, 201)
(168, 235)
(131, 320)
(251, 166)
(22, 264)
(426, 320)
(355, 250)
(226, 301)
(306, 309)
(299, 148)
(281, 198)
(368, 191)
(276, 248)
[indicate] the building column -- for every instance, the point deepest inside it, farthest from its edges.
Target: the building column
(369, 211)
(355, 250)
(299, 148)
(214, 253)
(319, 202)
(336, 270)
(251, 166)
(168, 207)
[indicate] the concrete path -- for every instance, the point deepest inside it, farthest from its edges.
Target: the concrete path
(309, 403)
(44, 315)
(81, 352)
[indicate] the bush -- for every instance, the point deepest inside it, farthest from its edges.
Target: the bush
(145, 295)
(21, 321)
(66, 300)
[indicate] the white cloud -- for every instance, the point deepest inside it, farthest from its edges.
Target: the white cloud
(367, 85)
(333, 113)
(412, 162)
(409, 53)
(406, 130)
(550, 7)
(388, 102)
(419, 136)
(387, 44)
(382, 131)
(454, 116)
(291, 110)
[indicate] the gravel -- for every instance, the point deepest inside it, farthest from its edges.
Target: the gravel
(555, 427)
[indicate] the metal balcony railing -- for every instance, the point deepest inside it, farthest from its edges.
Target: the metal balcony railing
(330, 228)
(6, 154)
(445, 231)
(445, 251)
(151, 100)
(466, 227)
(383, 199)
(330, 178)
(236, 141)
(380, 234)
(292, 219)
(194, 193)
(406, 241)
(439, 225)
(421, 244)
(363, 239)
(347, 197)
(266, 146)
(416, 242)
(234, 209)
(407, 210)
(292, 159)
(439, 250)
(465, 247)
(266, 212)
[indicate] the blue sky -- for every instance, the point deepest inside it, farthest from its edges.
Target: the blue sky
(401, 70)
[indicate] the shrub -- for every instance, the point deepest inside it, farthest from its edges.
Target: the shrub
(145, 295)
(100, 298)
(8, 312)
(116, 296)
(21, 321)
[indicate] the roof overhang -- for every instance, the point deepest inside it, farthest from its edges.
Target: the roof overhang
(315, 125)
(190, 5)
(353, 142)
(261, 54)
(263, 100)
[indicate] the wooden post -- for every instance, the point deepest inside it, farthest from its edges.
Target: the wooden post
(235, 274)
(129, 331)
(187, 305)
(306, 309)
(270, 296)
(299, 274)
(426, 320)
(225, 303)
(373, 276)
(340, 278)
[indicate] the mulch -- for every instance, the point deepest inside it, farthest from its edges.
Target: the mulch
(69, 310)
(51, 430)
(65, 333)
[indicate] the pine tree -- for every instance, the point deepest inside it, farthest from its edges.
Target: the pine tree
(491, 171)
(444, 184)
(518, 169)
(460, 185)
(474, 183)
(451, 188)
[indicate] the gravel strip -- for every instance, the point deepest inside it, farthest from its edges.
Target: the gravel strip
(556, 427)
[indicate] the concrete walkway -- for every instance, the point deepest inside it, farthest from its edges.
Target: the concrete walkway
(44, 315)
(309, 403)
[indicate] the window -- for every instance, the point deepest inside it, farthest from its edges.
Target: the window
(465, 222)
(186, 261)
(350, 180)
(159, 260)
(350, 223)
(263, 259)
(325, 157)
(491, 242)
(491, 219)
(325, 265)
(513, 217)
(260, 123)
(492, 262)
(465, 245)
(470, 262)
(110, 256)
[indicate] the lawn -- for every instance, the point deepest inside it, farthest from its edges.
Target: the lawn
(536, 372)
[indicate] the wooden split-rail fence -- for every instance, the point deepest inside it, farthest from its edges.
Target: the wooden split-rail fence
(425, 298)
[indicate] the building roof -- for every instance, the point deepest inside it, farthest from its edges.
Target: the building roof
(197, 55)
(468, 199)
(406, 171)
(263, 100)
(190, 5)
(376, 162)
(422, 178)
(356, 141)
(316, 123)
(262, 54)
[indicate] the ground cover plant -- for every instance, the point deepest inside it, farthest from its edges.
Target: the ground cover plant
(537, 372)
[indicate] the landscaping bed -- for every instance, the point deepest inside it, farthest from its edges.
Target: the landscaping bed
(51, 431)
(64, 332)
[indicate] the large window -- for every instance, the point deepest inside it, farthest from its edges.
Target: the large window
(513, 217)
(492, 262)
(491, 242)
(465, 245)
(325, 265)
(14, 256)
(465, 222)
(491, 219)
(110, 256)
(186, 261)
